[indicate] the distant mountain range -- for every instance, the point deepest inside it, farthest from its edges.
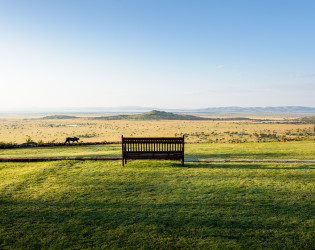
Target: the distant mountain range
(138, 109)
(283, 109)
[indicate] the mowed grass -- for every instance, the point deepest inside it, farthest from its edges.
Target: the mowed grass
(266, 150)
(156, 204)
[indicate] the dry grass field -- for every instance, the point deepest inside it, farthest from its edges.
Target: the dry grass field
(18, 129)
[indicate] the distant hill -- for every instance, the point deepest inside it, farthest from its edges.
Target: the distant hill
(162, 115)
(49, 117)
(152, 115)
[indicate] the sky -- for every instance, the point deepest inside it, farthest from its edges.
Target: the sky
(157, 53)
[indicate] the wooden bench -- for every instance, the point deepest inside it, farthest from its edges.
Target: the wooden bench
(167, 148)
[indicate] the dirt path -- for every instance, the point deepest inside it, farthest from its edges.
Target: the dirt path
(39, 159)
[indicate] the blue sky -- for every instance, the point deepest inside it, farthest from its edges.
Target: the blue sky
(167, 54)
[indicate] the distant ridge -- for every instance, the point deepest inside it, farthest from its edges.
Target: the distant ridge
(281, 109)
(138, 109)
(152, 115)
(162, 115)
(50, 117)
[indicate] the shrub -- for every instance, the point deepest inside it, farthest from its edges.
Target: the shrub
(29, 140)
(7, 144)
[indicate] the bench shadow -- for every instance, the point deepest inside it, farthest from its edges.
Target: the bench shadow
(218, 165)
(245, 165)
(236, 156)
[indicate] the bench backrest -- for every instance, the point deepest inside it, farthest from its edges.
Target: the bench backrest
(152, 144)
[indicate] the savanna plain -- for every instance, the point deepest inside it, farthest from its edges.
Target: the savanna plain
(159, 204)
(19, 129)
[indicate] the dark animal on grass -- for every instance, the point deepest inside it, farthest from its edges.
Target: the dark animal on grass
(73, 139)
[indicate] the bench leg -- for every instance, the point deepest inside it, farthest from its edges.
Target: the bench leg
(182, 161)
(123, 162)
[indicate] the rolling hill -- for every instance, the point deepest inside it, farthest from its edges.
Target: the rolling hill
(152, 115)
(162, 115)
(50, 117)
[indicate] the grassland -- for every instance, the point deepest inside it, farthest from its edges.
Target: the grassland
(18, 129)
(267, 150)
(155, 204)
(158, 204)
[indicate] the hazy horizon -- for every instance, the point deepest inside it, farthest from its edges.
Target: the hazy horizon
(139, 109)
(165, 54)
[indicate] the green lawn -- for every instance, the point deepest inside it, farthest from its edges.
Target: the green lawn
(280, 150)
(157, 204)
